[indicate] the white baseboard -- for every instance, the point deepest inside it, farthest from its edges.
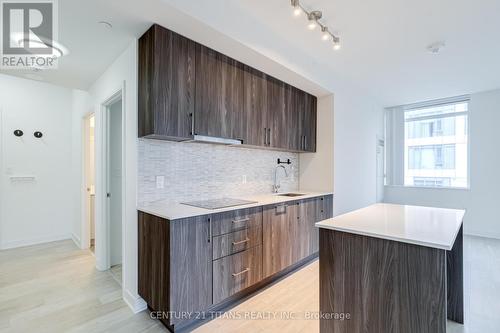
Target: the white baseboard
(33, 241)
(76, 240)
(135, 303)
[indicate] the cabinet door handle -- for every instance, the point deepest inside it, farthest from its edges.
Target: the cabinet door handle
(246, 270)
(281, 209)
(269, 137)
(246, 219)
(209, 230)
(265, 136)
(241, 241)
(192, 123)
(305, 142)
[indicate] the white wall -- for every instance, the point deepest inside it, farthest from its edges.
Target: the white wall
(482, 200)
(358, 120)
(122, 73)
(41, 210)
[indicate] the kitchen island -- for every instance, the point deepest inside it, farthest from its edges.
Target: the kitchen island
(391, 268)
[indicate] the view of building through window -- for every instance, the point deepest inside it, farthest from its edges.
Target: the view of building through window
(436, 146)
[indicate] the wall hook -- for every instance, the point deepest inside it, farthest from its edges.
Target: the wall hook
(284, 162)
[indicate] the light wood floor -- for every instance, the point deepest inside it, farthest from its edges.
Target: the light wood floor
(55, 288)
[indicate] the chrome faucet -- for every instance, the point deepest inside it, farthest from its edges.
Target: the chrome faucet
(276, 186)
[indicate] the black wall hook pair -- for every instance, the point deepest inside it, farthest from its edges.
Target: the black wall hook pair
(19, 133)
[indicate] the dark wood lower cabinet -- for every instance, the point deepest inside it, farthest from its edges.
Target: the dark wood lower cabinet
(175, 265)
(289, 232)
(236, 272)
(193, 266)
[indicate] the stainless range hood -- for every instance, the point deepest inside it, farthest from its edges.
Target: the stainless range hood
(213, 139)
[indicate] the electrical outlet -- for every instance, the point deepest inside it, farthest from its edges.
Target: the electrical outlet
(160, 182)
(244, 179)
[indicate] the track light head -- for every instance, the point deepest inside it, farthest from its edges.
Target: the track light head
(297, 10)
(313, 18)
(336, 43)
(326, 34)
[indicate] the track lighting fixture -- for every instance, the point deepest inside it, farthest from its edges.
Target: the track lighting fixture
(314, 18)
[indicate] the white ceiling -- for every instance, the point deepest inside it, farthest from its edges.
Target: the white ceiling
(92, 47)
(384, 42)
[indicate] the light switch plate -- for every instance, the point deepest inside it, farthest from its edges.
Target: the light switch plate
(160, 182)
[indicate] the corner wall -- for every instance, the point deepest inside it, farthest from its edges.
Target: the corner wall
(358, 120)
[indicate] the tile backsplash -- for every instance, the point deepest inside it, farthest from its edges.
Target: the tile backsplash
(197, 171)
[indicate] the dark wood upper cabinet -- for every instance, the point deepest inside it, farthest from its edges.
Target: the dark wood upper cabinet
(188, 89)
(307, 123)
(219, 107)
(166, 74)
(277, 114)
(256, 107)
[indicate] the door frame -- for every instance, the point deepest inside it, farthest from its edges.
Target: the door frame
(102, 227)
(380, 147)
(85, 227)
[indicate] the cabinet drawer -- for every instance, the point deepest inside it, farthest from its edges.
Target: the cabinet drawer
(227, 222)
(236, 272)
(237, 241)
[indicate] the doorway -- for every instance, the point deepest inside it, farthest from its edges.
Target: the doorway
(89, 169)
(109, 185)
(114, 175)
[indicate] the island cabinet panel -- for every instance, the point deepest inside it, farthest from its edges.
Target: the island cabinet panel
(385, 285)
(166, 76)
(219, 108)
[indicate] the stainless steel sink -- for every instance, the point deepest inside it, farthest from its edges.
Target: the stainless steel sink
(291, 194)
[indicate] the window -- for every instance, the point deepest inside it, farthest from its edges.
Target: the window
(431, 157)
(435, 145)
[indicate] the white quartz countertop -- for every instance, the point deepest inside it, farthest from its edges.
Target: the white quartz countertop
(175, 210)
(425, 226)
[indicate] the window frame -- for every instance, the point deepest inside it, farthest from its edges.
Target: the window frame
(430, 104)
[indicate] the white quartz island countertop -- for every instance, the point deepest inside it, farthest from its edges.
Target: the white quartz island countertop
(171, 210)
(425, 226)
